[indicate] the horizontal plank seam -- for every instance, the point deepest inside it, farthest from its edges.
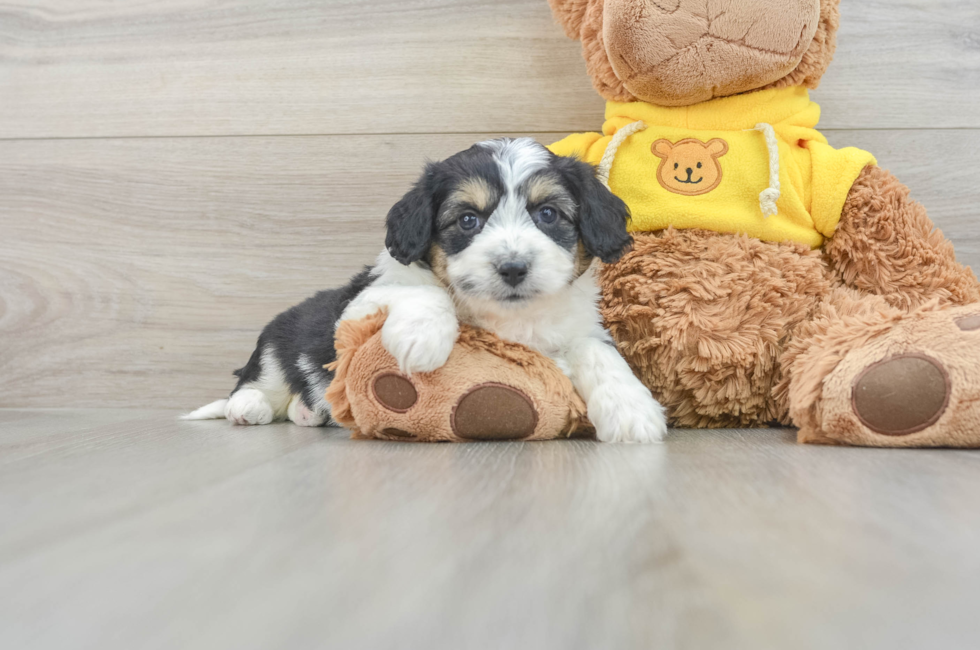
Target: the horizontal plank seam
(412, 133)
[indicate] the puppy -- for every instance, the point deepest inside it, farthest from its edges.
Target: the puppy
(501, 236)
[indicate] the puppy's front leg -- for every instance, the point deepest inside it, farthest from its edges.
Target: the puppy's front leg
(421, 328)
(619, 406)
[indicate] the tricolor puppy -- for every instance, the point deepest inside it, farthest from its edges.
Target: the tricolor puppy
(501, 236)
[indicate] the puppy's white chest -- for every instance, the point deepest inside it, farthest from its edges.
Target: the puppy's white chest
(531, 333)
(547, 332)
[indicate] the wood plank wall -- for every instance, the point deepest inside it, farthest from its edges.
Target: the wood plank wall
(175, 172)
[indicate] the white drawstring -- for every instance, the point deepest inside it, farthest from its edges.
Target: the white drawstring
(769, 196)
(605, 165)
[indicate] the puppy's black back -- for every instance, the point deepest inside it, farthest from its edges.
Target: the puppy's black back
(304, 330)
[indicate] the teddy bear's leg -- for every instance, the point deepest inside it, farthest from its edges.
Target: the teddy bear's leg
(886, 245)
(864, 372)
(488, 389)
(702, 318)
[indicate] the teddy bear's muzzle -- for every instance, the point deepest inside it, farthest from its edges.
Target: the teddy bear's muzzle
(681, 52)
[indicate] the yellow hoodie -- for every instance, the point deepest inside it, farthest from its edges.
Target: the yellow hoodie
(752, 164)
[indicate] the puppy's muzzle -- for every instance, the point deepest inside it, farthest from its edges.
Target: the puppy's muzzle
(513, 273)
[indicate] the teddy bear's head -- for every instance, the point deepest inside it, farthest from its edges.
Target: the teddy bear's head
(682, 52)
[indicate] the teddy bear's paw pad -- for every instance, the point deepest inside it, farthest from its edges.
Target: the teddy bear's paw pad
(969, 323)
(394, 392)
(494, 412)
(901, 395)
(396, 434)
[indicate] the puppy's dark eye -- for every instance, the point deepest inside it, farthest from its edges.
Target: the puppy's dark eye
(469, 221)
(546, 214)
(699, 165)
(676, 165)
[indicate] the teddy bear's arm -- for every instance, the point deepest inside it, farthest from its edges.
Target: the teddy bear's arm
(886, 244)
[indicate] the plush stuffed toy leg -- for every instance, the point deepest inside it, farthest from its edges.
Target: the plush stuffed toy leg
(703, 318)
(489, 389)
(899, 367)
(866, 373)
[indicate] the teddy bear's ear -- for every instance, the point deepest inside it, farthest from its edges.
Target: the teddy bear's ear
(570, 14)
(717, 148)
(582, 20)
(820, 53)
(662, 148)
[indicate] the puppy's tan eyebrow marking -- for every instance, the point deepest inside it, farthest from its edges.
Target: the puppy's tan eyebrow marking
(474, 192)
(544, 187)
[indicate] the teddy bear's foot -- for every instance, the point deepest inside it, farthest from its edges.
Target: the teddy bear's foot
(916, 385)
(487, 411)
(488, 389)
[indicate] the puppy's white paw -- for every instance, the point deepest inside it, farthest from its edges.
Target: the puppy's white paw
(626, 414)
(249, 406)
(419, 343)
(301, 415)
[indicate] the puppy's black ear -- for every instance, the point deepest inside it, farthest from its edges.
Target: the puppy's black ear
(603, 216)
(411, 221)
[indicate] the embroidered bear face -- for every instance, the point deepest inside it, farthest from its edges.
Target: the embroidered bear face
(689, 167)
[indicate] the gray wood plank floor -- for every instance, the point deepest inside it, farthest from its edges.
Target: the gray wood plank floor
(128, 529)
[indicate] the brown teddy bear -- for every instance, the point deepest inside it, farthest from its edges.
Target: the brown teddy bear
(773, 278)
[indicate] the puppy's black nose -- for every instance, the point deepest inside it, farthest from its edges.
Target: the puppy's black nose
(513, 273)
(689, 172)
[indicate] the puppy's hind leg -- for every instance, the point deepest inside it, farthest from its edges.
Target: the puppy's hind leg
(301, 414)
(262, 399)
(249, 406)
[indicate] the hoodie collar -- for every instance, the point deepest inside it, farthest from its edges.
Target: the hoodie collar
(736, 113)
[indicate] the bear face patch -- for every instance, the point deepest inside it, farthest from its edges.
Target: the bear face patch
(689, 167)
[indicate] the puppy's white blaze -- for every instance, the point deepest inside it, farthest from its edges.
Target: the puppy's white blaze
(517, 159)
(550, 266)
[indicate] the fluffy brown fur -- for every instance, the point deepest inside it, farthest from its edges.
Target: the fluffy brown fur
(852, 334)
(887, 245)
(820, 53)
(733, 331)
(703, 319)
(583, 20)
